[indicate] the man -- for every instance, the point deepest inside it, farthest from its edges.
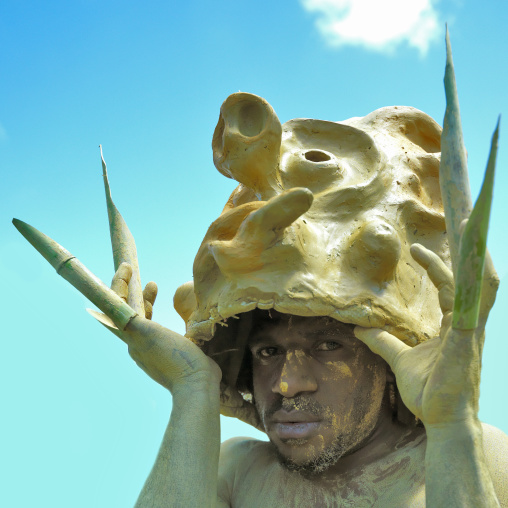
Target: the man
(321, 312)
(323, 390)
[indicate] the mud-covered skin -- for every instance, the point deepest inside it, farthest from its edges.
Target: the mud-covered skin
(250, 475)
(315, 370)
(452, 463)
(317, 388)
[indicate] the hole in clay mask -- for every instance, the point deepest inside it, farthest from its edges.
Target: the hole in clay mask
(317, 156)
(251, 119)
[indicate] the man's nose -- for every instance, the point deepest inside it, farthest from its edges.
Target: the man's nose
(296, 375)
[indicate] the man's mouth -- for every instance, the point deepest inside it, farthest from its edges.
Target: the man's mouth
(295, 424)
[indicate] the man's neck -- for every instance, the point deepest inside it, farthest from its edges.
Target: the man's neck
(387, 437)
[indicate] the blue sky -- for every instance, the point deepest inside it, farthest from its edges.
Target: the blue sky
(81, 423)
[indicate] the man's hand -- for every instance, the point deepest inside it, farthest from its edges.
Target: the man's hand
(120, 285)
(438, 380)
(167, 357)
(190, 447)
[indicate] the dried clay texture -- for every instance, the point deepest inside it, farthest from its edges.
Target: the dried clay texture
(322, 221)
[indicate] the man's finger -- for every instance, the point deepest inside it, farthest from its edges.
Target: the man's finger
(120, 282)
(150, 292)
(387, 346)
(440, 275)
(149, 296)
(438, 272)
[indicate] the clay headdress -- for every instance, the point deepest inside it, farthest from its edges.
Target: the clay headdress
(321, 222)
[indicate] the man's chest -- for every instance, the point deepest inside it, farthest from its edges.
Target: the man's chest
(254, 495)
(394, 484)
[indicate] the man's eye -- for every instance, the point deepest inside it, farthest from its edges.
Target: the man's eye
(267, 352)
(329, 346)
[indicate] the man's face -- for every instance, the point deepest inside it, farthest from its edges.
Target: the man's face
(317, 389)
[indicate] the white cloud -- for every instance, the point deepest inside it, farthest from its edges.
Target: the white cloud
(379, 25)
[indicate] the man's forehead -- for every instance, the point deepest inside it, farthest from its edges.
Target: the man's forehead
(275, 325)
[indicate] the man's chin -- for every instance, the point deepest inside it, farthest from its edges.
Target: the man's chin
(311, 466)
(300, 456)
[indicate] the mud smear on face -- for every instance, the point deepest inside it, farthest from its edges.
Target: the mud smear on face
(346, 440)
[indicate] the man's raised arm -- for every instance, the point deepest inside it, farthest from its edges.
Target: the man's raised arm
(185, 472)
(439, 382)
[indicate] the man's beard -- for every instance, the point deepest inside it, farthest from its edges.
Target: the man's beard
(318, 464)
(344, 443)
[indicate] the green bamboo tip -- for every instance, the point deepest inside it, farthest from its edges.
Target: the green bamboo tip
(50, 250)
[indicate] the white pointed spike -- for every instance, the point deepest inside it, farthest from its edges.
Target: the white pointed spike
(124, 247)
(453, 176)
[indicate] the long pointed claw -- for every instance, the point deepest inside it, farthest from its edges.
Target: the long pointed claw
(469, 278)
(124, 247)
(72, 270)
(453, 177)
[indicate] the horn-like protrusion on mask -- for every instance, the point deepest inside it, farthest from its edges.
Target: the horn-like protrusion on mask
(259, 231)
(246, 143)
(375, 251)
(184, 300)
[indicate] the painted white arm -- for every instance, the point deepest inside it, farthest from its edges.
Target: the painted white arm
(456, 472)
(185, 471)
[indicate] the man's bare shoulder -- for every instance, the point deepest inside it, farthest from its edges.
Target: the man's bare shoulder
(237, 455)
(235, 451)
(495, 447)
